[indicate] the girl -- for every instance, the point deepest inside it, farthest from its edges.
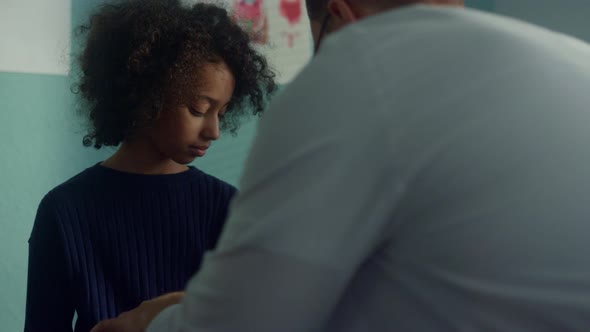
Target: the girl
(158, 79)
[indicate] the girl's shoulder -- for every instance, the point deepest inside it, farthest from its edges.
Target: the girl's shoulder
(214, 182)
(75, 184)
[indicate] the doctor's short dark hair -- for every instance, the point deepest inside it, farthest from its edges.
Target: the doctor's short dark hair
(137, 51)
(316, 8)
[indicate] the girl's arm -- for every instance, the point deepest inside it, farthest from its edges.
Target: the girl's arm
(49, 298)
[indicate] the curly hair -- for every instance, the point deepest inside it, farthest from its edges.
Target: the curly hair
(138, 52)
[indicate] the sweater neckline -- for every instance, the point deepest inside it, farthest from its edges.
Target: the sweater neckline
(116, 176)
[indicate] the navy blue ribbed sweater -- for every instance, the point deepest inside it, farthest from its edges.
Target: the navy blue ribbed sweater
(105, 241)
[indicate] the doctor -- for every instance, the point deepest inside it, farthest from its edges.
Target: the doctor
(428, 171)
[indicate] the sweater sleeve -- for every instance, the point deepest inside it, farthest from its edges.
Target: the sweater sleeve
(49, 300)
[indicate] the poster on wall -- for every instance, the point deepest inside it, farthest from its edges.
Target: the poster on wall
(280, 28)
(35, 36)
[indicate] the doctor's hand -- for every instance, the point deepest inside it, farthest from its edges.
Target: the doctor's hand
(138, 319)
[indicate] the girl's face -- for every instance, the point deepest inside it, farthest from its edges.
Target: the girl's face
(185, 131)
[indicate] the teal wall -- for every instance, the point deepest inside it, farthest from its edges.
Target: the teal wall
(568, 16)
(481, 4)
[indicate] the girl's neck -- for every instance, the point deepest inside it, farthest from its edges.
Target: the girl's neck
(141, 158)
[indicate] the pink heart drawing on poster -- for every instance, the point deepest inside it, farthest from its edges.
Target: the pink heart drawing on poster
(251, 15)
(291, 10)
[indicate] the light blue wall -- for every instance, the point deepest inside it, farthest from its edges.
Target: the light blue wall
(571, 17)
(39, 149)
(568, 16)
(481, 4)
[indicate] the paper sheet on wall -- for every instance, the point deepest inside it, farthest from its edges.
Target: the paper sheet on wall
(280, 28)
(35, 36)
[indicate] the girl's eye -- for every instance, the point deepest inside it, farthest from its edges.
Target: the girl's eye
(195, 112)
